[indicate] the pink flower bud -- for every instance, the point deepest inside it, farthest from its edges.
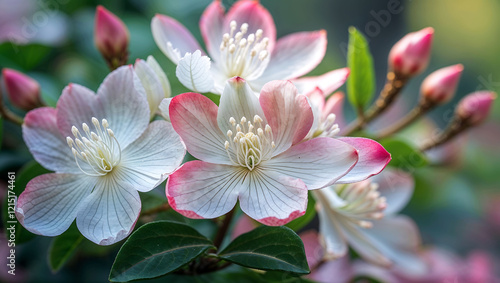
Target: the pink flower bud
(475, 107)
(23, 91)
(111, 35)
(441, 85)
(411, 54)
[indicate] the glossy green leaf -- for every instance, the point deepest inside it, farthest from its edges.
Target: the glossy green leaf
(156, 249)
(268, 248)
(361, 81)
(302, 221)
(404, 155)
(27, 173)
(63, 247)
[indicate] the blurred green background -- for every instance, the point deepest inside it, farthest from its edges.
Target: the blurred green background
(456, 205)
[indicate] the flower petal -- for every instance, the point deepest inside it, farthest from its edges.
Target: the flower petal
(165, 83)
(288, 113)
(396, 186)
(293, 56)
(380, 241)
(237, 101)
(109, 214)
(256, 16)
(46, 143)
(318, 162)
(51, 202)
(340, 268)
(273, 199)
(334, 105)
(204, 190)
(328, 82)
(194, 118)
(152, 157)
(173, 39)
(331, 234)
(317, 102)
(193, 71)
(312, 247)
(121, 100)
(151, 83)
(164, 107)
(211, 26)
(372, 160)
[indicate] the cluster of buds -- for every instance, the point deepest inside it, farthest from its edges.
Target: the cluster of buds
(409, 57)
(111, 37)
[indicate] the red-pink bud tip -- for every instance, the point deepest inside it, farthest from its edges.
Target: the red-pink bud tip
(441, 85)
(23, 91)
(111, 35)
(411, 54)
(476, 106)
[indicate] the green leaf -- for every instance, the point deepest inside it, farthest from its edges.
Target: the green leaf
(63, 247)
(404, 155)
(29, 171)
(25, 56)
(361, 82)
(156, 249)
(1, 132)
(302, 221)
(268, 248)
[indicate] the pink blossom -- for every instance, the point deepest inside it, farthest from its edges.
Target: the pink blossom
(251, 149)
(243, 43)
(113, 153)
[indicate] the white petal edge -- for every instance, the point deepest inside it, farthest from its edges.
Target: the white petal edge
(152, 85)
(51, 202)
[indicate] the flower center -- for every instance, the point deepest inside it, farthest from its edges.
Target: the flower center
(99, 149)
(250, 145)
(327, 127)
(244, 56)
(362, 203)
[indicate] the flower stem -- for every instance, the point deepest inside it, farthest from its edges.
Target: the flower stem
(422, 108)
(457, 126)
(393, 86)
(221, 233)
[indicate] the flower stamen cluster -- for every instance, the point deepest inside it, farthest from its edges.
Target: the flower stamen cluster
(97, 149)
(251, 144)
(243, 56)
(362, 203)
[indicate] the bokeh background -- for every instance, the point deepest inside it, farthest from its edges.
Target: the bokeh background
(456, 203)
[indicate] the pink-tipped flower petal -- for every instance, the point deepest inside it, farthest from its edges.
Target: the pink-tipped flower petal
(372, 159)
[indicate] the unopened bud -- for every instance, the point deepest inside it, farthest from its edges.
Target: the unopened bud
(475, 107)
(23, 91)
(411, 54)
(440, 86)
(111, 37)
